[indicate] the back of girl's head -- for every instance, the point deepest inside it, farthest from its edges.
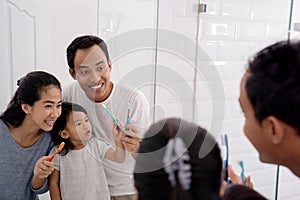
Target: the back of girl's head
(178, 160)
(241, 192)
(61, 123)
(29, 91)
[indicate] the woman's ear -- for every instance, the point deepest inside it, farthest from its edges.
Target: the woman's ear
(26, 108)
(64, 134)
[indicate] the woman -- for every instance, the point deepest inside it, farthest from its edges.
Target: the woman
(24, 137)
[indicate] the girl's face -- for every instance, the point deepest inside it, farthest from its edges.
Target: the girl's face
(79, 129)
(44, 112)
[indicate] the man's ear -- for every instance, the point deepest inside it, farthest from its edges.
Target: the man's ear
(276, 129)
(72, 73)
(64, 134)
(26, 108)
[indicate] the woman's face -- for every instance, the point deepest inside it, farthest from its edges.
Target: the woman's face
(44, 112)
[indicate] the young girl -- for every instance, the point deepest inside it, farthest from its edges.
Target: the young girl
(24, 140)
(79, 172)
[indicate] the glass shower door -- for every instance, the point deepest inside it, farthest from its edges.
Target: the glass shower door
(129, 28)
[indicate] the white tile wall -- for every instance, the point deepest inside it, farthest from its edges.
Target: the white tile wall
(217, 29)
(212, 9)
(236, 9)
(230, 33)
(270, 11)
(232, 50)
(248, 30)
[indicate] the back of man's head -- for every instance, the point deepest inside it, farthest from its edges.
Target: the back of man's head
(273, 86)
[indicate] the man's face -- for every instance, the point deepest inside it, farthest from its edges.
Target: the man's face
(256, 132)
(92, 71)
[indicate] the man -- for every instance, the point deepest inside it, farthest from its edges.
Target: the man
(270, 100)
(89, 64)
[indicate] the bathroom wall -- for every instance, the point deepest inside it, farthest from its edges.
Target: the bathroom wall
(230, 32)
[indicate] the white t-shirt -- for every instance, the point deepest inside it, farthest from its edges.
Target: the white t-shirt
(119, 175)
(82, 175)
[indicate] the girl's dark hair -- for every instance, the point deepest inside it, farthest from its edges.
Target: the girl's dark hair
(84, 42)
(241, 192)
(60, 125)
(151, 179)
(28, 92)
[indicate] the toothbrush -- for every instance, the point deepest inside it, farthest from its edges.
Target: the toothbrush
(241, 164)
(128, 115)
(112, 117)
(128, 112)
(224, 141)
(60, 147)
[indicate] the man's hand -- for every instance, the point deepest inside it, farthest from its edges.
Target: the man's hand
(131, 140)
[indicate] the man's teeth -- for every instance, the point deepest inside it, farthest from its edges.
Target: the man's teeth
(97, 86)
(50, 122)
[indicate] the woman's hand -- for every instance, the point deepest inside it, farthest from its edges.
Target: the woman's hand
(43, 168)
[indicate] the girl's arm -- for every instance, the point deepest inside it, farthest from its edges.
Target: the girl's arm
(42, 169)
(117, 155)
(54, 185)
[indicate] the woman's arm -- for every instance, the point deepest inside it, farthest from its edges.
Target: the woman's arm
(54, 185)
(42, 169)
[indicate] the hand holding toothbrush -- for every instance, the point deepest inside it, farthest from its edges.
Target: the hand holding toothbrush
(42, 169)
(132, 140)
(237, 179)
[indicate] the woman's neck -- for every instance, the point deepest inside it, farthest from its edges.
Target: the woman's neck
(25, 135)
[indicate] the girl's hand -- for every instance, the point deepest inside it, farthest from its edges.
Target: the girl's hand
(117, 132)
(43, 168)
(236, 179)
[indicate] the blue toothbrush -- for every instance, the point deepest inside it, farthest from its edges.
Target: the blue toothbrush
(224, 141)
(128, 112)
(241, 164)
(112, 117)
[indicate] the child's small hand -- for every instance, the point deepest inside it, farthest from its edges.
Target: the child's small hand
(236, 179)
(43, 168)
(118, 133)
